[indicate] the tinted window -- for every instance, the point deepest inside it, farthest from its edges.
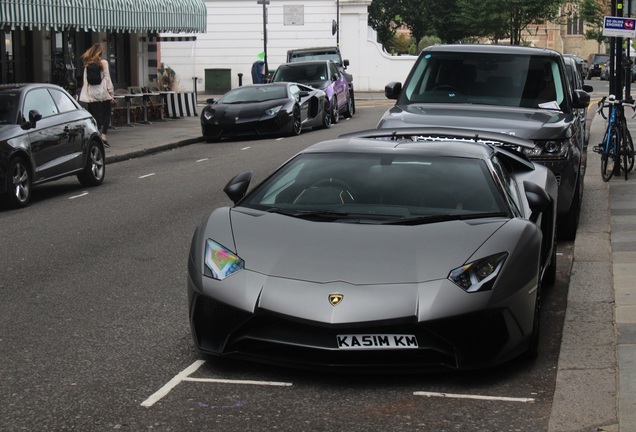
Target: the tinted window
(40, 100)
(63, 102)
(334, 71)
(480, 78)
(306, 73)
(9, 107)
(381, 184)
(509, 185)
(254, 94)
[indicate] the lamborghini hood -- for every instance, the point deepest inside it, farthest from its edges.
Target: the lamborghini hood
(359, 254)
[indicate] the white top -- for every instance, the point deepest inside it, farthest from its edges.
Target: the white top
(97, 93)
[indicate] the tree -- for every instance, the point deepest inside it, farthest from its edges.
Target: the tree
(485, 19)
(457, 20)
(522, 13)
(384, 19)
(592, 12)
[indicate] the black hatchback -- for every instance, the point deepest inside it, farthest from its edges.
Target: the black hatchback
(45, 135)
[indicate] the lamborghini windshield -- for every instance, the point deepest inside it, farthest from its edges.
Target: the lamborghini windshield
(250, 94)
(531, 81)
(380, 186)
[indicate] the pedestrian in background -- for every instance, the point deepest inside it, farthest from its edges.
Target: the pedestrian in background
(97, 89)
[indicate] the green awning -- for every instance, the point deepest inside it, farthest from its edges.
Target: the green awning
(135, 16)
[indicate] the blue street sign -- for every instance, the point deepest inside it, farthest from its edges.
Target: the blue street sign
(619, 27)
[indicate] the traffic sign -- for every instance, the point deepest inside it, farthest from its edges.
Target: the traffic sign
(619, 27)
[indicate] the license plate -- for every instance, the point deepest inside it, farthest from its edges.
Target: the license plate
(376, 341)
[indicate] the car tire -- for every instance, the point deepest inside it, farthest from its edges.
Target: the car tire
(533, 347)
(568, 226)
(350, 109)
(549, 276)
(296, 122)
(326, 118)
(95, 169)
(19, 180)
(335, 112)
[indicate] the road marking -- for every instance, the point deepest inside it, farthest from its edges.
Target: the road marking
(79, 196)
(203, 160)
(185, 376)
(478, 397)
(250, 382)
(147, 175)
(163, 391)
(246, 148)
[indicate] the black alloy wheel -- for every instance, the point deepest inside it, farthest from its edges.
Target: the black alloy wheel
(18, 183)
(296, 123)
(335, 112)
(95, 169)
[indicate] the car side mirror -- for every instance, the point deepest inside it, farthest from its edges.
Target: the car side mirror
(392, 90)
(580, 99)
(588, 88)
(34, 118)
(538, 199)
(210, 101)
(345, 63)
(236, 188)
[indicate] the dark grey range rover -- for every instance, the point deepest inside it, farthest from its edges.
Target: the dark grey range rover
(515, 90)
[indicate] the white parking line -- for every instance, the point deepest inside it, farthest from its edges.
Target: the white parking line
(203, 160)
(246, 148)
(478, 397)
(147, 175)
(226, 381)
(185, 376)
(172, 384)
(78, 196)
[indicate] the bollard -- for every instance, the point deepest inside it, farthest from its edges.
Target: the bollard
(240, 75)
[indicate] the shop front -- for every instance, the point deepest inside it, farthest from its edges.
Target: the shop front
(42, 41)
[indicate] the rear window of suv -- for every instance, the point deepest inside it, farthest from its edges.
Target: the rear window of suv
(600, 58)
(529, 81)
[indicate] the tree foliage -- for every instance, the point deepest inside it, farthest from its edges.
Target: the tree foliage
(592, 12)
(460, 20)
(384, 19)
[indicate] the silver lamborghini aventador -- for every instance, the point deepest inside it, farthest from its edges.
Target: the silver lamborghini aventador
(415, 249)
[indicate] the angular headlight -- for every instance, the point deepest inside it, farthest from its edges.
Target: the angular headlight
(220, 262)
(208, 113)
(273, 111)
(478, 275)
(549, 148)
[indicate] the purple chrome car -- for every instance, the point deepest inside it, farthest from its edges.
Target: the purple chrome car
(323, 75)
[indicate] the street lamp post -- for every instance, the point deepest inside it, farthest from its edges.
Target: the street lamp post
(264, 3)
(338, 23)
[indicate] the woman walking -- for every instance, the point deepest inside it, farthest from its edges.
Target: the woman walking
(97, 88)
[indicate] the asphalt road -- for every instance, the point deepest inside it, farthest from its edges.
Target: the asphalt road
(95, 336)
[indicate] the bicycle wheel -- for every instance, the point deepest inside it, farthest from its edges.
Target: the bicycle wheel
(629, 147)
(623, 155)
(609, 157)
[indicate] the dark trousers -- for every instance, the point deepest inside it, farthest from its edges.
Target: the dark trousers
(101, 112)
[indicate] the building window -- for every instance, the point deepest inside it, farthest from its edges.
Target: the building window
(575, 25)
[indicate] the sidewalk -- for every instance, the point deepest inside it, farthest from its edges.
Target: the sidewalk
(596, 378)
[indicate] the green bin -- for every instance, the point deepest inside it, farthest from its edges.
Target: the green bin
(218, 81)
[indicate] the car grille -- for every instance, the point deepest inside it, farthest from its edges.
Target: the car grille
(266, 337)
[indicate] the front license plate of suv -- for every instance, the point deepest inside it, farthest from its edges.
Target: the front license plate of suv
(376, 341)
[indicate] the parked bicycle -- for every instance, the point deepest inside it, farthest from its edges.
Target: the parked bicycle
(617, 147)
